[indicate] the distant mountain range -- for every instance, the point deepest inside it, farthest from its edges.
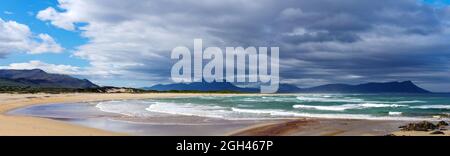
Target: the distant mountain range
(388, 87)
(37, 78)
(201, 86)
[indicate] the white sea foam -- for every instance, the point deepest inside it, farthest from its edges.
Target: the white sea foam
(347, 106)
(432, 107)
(126, 107)
(406, 102)
(188, 109)
(265, 99)
(377, 105)
(395, 113)
(271, 112)
(323, 99)
(328, 108)
(250, 100)
(281, 113)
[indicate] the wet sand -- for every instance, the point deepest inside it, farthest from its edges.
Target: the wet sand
(324, 127)
(333, 127)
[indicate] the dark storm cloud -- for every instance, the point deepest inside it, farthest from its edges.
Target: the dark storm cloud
(345, 41)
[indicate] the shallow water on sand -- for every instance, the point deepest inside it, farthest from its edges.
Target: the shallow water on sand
(154, 124)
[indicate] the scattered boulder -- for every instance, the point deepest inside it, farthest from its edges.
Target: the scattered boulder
(437, 132)
(442, 124)
(390, 134)
(420, 126)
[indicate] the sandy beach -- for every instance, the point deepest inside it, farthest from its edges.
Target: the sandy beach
(21, 125)
(12, 125)
(36, 126)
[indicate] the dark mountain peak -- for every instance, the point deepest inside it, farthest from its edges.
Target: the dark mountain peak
(41, 79)
(398, 83)
(37, 70)
(409, 82)
(288, 88)
(201, 86)
(23, 70)
(372, 87)
(21, 73)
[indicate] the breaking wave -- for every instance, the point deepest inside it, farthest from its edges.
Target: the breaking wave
(347, 106)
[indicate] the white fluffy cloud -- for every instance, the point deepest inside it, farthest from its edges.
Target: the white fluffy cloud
(50, 68)
(16, 37)
(57, 19)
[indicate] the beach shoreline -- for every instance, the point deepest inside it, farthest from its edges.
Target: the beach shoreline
(32, 126)
(18, 125)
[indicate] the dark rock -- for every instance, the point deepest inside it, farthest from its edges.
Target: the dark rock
(420, 126)
(390, 135)
(442, 124)
(437, 132)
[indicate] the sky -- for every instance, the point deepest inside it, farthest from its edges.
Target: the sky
(128, 43)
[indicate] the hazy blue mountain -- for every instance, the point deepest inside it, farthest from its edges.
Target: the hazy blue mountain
(201, 86)
(388, 87)
(288, 88)
(40, 79)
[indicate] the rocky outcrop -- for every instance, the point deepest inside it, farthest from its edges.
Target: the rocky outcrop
(437, 133)
(442, 124)
(420, 126)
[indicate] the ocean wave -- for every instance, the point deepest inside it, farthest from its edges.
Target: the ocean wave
(245, 106)
(395, 113)
(240, 110)
(264, 99)
(249, 100)
(322, 99)
(126, 107)
(271, 112)
(188, 109)
(406, 102)
(377, 105)
(432, 107)
(281, 113)
(347, 106)
(328, 108)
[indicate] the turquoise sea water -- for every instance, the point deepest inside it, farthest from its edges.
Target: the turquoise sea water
(351, 106)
